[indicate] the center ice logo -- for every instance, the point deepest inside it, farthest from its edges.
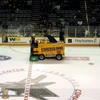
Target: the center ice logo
(2, 58)
(45, 85)
(38, 89)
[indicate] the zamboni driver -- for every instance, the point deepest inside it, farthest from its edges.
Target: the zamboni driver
(32, 42)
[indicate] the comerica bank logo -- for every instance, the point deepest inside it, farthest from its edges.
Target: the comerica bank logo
(2, 58)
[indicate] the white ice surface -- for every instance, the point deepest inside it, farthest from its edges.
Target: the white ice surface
(87, 76)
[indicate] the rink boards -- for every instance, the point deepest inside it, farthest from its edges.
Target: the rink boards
(25, 41)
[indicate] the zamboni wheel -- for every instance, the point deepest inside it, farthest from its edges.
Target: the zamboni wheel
(59, 57)
(41, 57)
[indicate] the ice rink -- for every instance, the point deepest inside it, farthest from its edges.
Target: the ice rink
(51, 79)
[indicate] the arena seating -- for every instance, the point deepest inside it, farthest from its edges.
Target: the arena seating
(46, 14)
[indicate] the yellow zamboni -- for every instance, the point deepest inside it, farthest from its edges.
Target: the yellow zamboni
(45, 48)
